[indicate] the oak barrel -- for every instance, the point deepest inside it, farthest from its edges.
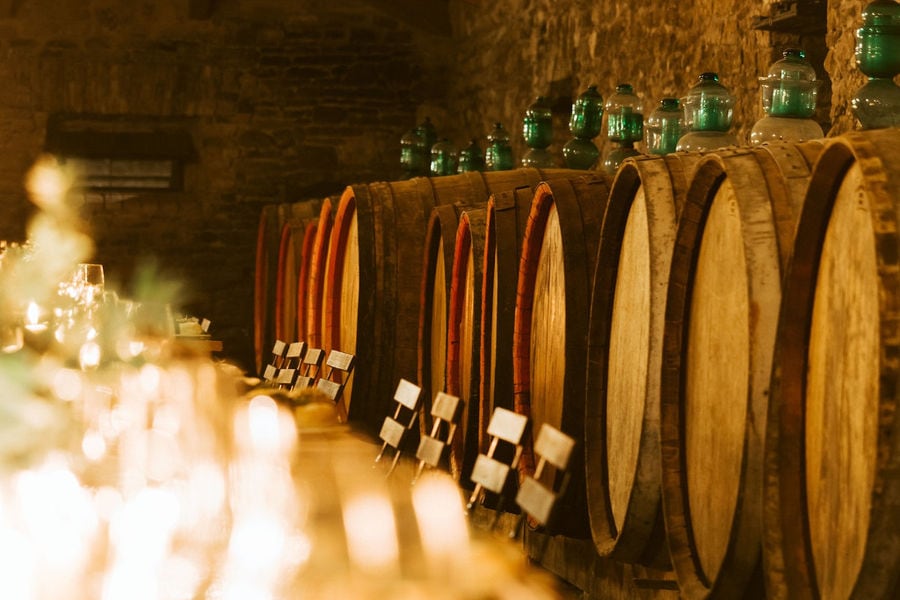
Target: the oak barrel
(437, 268)
(832, 491)
(372, 295)
(722, 304)
(318, 265)
(551, 320)
(625, 334)
(463, 336)
(267, 239)
(303, 277)
(506, 218)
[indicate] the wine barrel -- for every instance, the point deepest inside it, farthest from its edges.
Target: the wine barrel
(832, 490)
(625, 356)
(721, 312)
(309, 240)
(463, 336)
(293, 268)
(268, 239)
(550, 328)
(372, 294)
(318, 265)
(286, 285)
(506, 219)
(437, 268)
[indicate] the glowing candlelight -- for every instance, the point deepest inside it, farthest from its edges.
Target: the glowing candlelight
(32, 318)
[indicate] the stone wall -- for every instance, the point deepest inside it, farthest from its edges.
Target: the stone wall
(511, 51)
(282, 101)
(287, 101)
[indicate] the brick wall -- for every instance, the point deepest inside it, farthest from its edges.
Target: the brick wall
(282, 101)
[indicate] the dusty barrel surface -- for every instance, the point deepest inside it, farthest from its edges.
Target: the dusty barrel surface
(506, 219)
(437, 269)
(293, 257)
(464, 329)
(318, 265)
(309, 240)
(551, 320)
(373, 288)
(264, 282)
(832, 491)
(625, 334)
(722, 307)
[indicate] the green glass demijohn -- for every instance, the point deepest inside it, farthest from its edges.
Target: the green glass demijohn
(624, 116)
(412, 159)
(788, 93)
(471, 158)
(664, 127)
(877, 103)
(585, 123)
(443, 158)
(708, 110)
(537, 129)
(624, 126)
(499, 155)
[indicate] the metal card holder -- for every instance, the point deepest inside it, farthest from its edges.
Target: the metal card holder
(332, 389)
(303, 382)
(278, 349)
(285, 378)
(393, 431)
(339, 368)
(506, 426)
(534, 498)
(270, 373)
(444, 410)
(312, 362)
(294, 354)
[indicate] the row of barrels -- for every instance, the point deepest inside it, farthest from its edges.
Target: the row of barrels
(719, 330)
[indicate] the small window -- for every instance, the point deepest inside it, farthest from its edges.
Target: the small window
(117, 161)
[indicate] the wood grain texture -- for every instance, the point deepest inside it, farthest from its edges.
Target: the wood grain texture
(318, 265)
(463, 334)
(832, 496)
(286, 286)
(263, 285)
(437, 265)
(309, 240)
(625, 354)
(842, 392)
(721, 315)
(551, 318)
(391, 220)
(505, 223)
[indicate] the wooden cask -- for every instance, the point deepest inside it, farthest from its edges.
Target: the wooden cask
(722, 304)
(373, 289)
(625, 356)
(506, 218)
(551, 321)
(268, 237)
(437, 268)
(293, 265)
(303, 277)
(318, 265)
(832, 491)
(463, 337)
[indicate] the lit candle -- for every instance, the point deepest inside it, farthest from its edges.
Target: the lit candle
(32, 318)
